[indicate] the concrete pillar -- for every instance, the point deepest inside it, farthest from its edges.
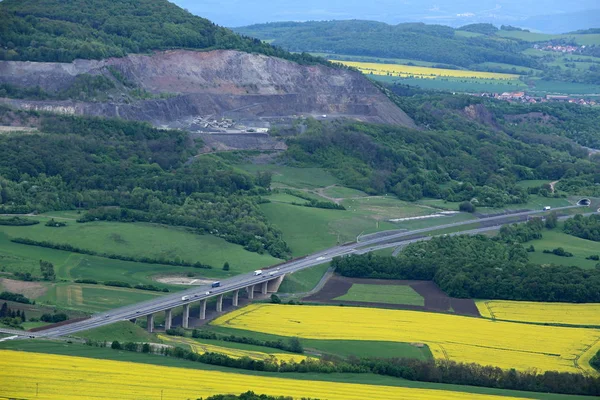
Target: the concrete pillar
(186, 316)
(220, 303)
(150, 322)
(168, 318)
(250, 290)
(263, 287)
(236, 296)
(202, 314)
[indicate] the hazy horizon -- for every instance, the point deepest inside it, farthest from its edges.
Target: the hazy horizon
(550, 16)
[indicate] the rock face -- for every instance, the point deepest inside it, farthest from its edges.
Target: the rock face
(212, 84)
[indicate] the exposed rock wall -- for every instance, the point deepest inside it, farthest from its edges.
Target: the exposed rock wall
(217, 83)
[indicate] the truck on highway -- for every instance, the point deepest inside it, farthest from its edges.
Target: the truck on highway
(184, 298)
(258, 272)
(547, 208)
(216, 284)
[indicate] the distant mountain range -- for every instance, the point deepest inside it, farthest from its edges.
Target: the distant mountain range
(549, 16)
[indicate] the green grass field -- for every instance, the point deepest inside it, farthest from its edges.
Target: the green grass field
(388, 294)
(303, 281)
(557, 87)
(340, 348)
(294, 177)
(135, 239)
(74, 349)
(581, 248)
(91, 298)
(123, 331)
(285, 198)
(456, 84)
(341, 192)
(544, 37)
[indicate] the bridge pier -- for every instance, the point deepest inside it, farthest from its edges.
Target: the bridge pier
(250, 290)
(236, 297)
(185, 321)
(168, 318)
(220, 303)
(150, 322)
(264, 287)
(202, 314)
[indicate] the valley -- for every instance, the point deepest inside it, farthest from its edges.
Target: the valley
(337, 209)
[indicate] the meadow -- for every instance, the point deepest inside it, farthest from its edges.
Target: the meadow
(470, 85)
(134, 239)
(546, 313)
(463, 339)
(67, 377)
(202, 347)
(586, 39)
(580, 248)
(388, 294)
(423, 72)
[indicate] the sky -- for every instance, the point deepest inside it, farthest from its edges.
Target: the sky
(233, 13)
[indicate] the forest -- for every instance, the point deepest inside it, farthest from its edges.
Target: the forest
(130, 171)
(65, 30)
(478, 267)
(584, 227)
(454, 156)
(474, 47)
(418, 41)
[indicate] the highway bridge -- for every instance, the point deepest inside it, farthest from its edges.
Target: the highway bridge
(269, 280)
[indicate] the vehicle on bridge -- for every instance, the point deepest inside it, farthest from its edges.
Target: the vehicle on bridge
(184, 298)
(258, 272)
(216, 284)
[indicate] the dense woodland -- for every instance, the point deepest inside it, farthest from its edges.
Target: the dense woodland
(445, 46)
(434, 43)
(480, 267)
(455, 156)
(64, 30)
(584, 227)
(129, 171)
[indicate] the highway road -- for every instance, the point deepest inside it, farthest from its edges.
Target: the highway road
(242, 281)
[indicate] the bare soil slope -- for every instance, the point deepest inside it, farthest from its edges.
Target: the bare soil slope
(212, 84)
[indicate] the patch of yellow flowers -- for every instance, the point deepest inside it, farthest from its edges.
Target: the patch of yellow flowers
(552, 313)
(409, 71)
(201, 348)
(464, 339)
(53, 377)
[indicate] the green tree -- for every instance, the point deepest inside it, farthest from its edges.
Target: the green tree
(115, 345)
(275, 299)
(47, 270)
(551, 220)
(295, 345)
(226, 266)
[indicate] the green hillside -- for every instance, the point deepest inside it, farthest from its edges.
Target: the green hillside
(479, 47)
(63, 30)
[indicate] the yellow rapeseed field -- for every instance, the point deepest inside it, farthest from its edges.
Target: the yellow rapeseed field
(202, 348)
(466, 339)
(407, 71)
(553, 313)
(77, 378)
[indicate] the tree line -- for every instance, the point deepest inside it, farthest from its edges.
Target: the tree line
(74, 249)
(62, 31)
(478, 267)
(436, 371)
(130, 172)
(584, 227)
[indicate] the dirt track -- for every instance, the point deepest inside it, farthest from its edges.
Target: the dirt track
(435, 298)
